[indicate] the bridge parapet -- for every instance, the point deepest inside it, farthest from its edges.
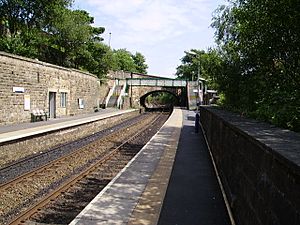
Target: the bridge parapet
(156, 82)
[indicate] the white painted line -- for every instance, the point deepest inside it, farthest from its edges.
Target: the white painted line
(171, 122)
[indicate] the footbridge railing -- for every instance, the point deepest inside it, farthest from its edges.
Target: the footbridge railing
(156, 82)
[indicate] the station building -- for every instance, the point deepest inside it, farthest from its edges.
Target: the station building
(27, 85)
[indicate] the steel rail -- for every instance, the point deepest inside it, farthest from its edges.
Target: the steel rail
(24, 216)
(11, 165)
(50, 164)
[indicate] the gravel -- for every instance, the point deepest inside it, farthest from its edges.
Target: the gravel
(17, 197)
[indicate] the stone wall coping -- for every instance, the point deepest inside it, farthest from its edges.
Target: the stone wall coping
(285, 144)
(36, 61)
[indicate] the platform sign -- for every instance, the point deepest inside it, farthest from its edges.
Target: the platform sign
(81, 103)
(26, 102)
(18, 89)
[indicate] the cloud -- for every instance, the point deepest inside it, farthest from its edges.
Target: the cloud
(152, 21)
(160, 29)
(116, 7)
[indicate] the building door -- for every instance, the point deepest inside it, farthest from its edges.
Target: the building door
(52, 104)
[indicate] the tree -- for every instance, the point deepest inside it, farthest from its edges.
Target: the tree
(260, 41)
(123, 60)
(25, 22)
(50, 31)
(140, 63)
(98, 59)
(190, 64)
(126, 61)
(206, 65)
(70, 35)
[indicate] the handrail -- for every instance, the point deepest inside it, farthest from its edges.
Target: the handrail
(156, 82)
(122, 94)
(111, 92)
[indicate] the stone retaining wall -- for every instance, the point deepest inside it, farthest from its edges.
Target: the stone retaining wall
(26, 84)
(259, 166)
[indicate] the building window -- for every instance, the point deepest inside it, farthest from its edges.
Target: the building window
(63, 99)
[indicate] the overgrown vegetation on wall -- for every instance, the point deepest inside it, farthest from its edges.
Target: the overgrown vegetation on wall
(256, 63)
(160, 99)
(52, 32)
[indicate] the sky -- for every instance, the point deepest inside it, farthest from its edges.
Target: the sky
(159, 29)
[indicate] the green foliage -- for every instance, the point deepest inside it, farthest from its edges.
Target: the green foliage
(256, 63)
(190, 66)
(206, 65)
(70, 34)
(28, 14)
(140, 63)
(97, 59)
(50, 31)
(123, 60)
(158, 99)
(126, 61)
(260, 42)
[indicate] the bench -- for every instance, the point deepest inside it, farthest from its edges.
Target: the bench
(38, 115)
(102, 105)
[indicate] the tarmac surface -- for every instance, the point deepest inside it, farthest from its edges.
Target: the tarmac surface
(193, 195)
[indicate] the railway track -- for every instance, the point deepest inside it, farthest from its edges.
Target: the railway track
(24, 165)
(92, 165)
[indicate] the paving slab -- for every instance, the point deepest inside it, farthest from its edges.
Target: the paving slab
(106, 208)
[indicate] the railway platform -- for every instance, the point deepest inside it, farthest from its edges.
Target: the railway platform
(170, 181)
(18, 131)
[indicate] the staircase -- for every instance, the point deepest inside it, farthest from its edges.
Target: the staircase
(112, 102)
(113, 99)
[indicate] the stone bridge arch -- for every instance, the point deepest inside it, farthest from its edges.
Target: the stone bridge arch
(139, 93)
(143, 98)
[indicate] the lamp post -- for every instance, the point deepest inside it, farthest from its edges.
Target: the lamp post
(109, 39)
(198, 62)
(198, 72)
(197, 57)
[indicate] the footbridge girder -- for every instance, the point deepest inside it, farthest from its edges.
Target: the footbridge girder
(140, 88)
(128, 88)
(156, 82)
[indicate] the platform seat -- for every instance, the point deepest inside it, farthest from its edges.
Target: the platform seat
(38, 115)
